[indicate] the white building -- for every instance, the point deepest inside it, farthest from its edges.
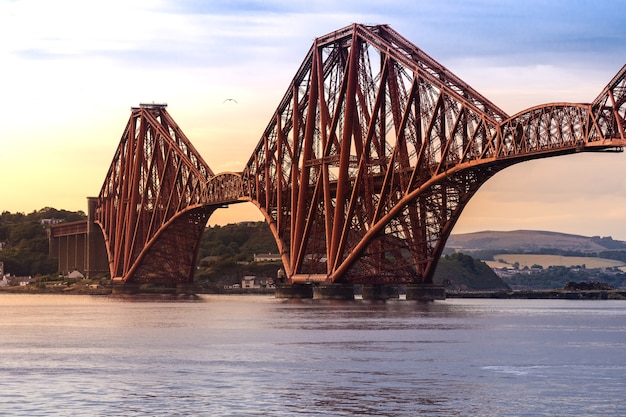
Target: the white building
(266, 257)
(249, 281)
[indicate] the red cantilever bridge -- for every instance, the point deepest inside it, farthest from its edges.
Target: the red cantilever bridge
(362, 171)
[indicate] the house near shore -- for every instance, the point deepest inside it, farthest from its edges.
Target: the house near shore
(252, 282)
(24, 281)
(9, 280)
(266, 257)
(249, 281)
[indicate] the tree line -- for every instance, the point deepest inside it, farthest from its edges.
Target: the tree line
(225, 252)
(559, 276)
(24, 240)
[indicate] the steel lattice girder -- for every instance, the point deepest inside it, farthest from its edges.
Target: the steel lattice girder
(364, 169)
(151, 207)
(376, 148)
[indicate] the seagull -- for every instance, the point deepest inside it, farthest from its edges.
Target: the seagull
(230, 99)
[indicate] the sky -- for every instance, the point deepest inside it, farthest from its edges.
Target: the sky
(70, 70)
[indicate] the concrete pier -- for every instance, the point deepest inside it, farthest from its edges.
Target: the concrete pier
(376, 292)
(294, 291)
(333, 292)
(121, 288)
(379, 292)
(425, 292)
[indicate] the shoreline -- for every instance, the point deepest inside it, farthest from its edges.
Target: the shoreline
(619, 294)
(556, 294)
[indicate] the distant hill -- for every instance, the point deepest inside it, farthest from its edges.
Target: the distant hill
(531, 240)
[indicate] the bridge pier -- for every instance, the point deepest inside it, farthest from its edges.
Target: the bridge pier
(379, 292)
(375, 292)
(121, 288)
(425, 292)
(293, 291)
(333, 292)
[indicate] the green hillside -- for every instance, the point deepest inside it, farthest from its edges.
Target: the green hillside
(463, 273)
(24, 240)
(237, 243)
(540, 260)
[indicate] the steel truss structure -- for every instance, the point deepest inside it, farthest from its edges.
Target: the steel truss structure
(361, 174)
(376, 148)
(156, 200)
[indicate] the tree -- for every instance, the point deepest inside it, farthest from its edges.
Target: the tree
(26, 239)
(460, 271)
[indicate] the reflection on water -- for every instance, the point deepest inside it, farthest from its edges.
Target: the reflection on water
(255, 355)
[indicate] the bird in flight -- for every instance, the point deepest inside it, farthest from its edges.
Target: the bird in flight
(230, 99)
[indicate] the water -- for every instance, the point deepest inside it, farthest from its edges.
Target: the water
(67, 355)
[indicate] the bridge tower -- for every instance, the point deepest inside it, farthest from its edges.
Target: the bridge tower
(376, 148)
(152, 206)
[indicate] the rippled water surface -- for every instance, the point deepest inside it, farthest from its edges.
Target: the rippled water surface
(258, 356)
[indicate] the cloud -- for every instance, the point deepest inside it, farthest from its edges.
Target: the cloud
(234, 33)
(227, 7)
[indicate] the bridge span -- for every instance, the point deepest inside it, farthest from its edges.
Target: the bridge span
(361, 173)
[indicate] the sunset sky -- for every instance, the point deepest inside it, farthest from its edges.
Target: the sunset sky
(71, 70)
